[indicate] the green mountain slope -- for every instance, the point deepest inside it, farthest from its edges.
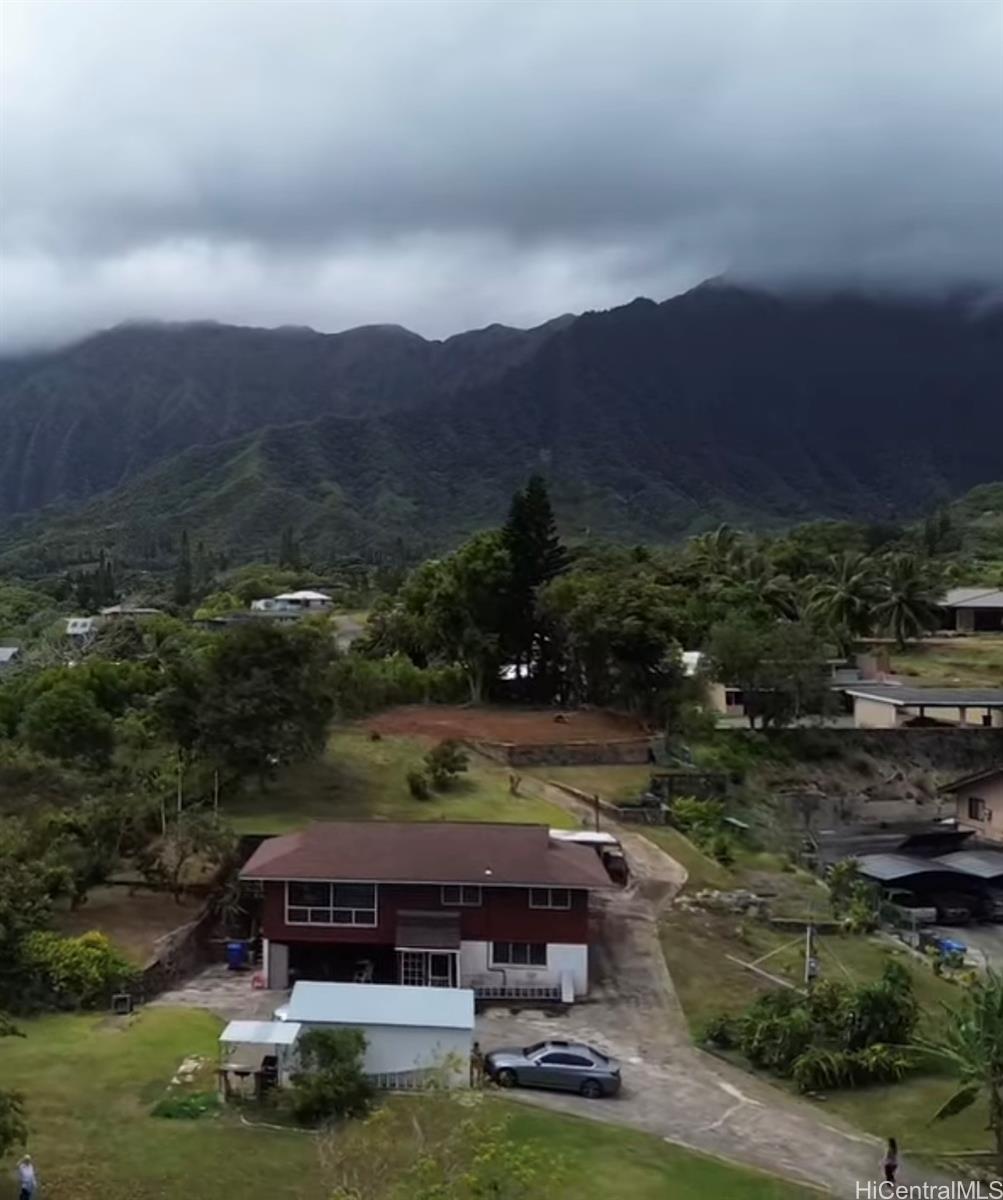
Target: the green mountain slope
(651, 420)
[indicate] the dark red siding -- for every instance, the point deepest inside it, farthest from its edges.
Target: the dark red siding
(504, 916)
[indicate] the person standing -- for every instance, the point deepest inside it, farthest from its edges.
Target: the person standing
(26, 1178)
(476, 1066)
(890, 1161)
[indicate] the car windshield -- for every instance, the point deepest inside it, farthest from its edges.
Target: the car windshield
(534, 1049)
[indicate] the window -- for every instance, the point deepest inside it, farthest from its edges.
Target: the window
(330, 903)
(519, 954)
(549, 898)
(976, 809)
(565, 1060)
(465, 897)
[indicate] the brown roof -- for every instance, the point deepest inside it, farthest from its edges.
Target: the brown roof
(427, 852)
(977, 777)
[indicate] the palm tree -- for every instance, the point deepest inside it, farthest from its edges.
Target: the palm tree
(971, 1044)
(907, 598)
(843, 598)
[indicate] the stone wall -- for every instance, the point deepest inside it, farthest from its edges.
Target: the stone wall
(176, 956)
(616, 752)
(940, 749)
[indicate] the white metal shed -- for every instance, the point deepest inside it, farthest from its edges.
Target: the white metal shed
(408, 1030)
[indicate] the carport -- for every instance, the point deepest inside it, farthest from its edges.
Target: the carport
(984, 865)
(907, 870)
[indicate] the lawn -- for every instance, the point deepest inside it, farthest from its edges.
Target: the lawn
(958, 662)
(361, 779)
(90, 1083)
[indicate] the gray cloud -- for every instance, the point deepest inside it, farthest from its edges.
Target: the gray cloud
(445, 165)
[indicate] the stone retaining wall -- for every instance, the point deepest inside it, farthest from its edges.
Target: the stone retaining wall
(616, 752)
(176, 956)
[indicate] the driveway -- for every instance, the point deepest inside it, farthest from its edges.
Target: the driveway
(226, 993)
(672, 1088)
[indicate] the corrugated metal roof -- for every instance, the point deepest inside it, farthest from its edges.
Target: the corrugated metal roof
(973, 597)
(985, 864)
(381, 1004)
(888, 867)
(8, 653)
(261, 1033)
(931, 697)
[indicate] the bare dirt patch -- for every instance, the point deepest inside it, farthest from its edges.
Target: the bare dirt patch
(133, 922)
(536, 727)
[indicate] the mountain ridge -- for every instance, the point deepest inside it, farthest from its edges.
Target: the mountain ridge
(652, 420)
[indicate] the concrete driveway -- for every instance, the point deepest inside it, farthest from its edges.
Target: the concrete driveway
(672, 1088)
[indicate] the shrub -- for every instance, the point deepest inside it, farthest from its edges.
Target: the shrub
(417, 782)
(820, 1068)
(187, 1108)
(720, 1030)
(75, 972)
(881, 1064)
(330, 1083)
(721, 850)
(444, 762)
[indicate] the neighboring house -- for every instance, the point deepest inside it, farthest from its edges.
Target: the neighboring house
(502, 909)
(890, 706)
(293, 604)
(81, 629)
(978, 801)
(117, 612)
(726, 700)
(973, 610)
(7, 656)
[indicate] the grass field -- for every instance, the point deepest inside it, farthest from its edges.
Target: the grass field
(90, 1083)
(957, 662)
(360, 779)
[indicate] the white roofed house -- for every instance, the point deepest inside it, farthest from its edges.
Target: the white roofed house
(8, 654)
(292, 605)
(973, 609)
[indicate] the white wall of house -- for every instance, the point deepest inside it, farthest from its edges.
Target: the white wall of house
(393, 1049)
(873, 714)
(476, 969)
(985, 797)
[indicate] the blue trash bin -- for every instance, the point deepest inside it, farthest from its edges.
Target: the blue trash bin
(236, 955)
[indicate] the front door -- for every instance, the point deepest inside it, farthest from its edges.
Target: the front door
(440, 970)
(426, 968)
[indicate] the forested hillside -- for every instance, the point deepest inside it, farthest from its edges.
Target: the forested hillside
(651, 421)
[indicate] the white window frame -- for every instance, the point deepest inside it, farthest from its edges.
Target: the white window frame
(461, 902)
(332, 907)
(526, 966)
(550, 898)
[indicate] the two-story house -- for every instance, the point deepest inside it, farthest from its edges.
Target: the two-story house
(502, 909)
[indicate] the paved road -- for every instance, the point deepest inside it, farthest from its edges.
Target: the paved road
(672, 1088)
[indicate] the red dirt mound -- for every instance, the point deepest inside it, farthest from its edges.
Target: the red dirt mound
(536, 727)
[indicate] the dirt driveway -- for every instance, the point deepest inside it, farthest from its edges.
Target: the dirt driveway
(671, 1088)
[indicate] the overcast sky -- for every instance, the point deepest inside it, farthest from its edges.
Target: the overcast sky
(443, 166)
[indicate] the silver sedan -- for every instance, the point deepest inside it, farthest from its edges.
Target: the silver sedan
(565, 1066)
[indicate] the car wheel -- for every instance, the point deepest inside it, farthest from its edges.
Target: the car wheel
(591, 1089)
(507, 1078)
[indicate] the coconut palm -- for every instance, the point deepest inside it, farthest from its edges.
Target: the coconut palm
(907, 598)
(842, 598)
(970, 1043)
